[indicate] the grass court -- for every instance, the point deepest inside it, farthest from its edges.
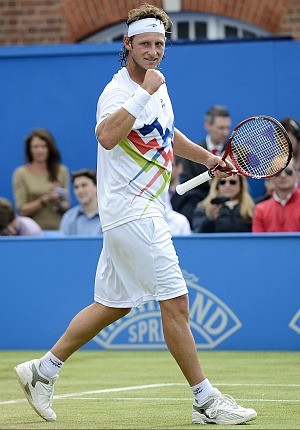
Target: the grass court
(146, 390)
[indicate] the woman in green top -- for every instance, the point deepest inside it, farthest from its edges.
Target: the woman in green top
(41, 187)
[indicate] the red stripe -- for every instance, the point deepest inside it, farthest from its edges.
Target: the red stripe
(141, 145)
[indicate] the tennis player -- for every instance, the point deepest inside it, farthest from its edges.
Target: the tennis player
(138, 263)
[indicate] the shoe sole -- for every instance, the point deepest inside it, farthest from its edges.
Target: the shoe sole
(205, 420)
(21, 382)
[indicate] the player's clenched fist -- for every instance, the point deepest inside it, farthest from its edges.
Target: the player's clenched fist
(153, 80)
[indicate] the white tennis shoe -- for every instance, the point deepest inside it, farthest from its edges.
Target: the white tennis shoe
(38, 388)
(221, 409)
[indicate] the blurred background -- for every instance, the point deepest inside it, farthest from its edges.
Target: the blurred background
(57, 56)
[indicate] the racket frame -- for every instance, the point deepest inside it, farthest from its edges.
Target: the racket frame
(209, 174)
(228, 150)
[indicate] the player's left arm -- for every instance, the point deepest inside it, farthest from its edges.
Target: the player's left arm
(184, 147)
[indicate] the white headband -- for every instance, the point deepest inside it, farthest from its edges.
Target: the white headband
(147, 25)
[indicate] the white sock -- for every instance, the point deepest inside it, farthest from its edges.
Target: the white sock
(202, 390)
(50, 365)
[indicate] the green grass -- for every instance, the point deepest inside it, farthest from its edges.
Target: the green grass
(267, 381)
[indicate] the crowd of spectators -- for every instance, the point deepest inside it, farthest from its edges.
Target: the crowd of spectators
(217, 123)
(42, 197)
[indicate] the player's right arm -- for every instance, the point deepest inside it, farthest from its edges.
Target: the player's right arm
(118, 124)
(114, 128)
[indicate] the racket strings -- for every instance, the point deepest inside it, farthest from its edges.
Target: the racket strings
(260, 148)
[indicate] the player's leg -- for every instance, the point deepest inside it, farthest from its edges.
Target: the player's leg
(179, 338)
(84, 326)
(37, 377)
(210, 406)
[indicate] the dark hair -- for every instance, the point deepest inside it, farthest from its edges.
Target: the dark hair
(144, 11)
(91, 174)
(216, 110)
(291, 126)
(54, 157)
(7, 213)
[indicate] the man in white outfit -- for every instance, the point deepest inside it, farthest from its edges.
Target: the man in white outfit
(138, 263)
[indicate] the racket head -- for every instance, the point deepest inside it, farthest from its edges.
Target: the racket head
(259, 147)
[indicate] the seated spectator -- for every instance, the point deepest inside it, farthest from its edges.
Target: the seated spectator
(217, 123)
(178, 223)
(41, 187)
(267, 192)
(281, 212)
(83, 219)
(178, 202)
(293, 129)
(177, 169)
(227, 208)
(12, 224)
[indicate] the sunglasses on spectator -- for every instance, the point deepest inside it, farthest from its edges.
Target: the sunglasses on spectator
(230, 181)
(288, 172)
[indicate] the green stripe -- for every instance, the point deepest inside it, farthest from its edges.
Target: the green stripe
(146, 165)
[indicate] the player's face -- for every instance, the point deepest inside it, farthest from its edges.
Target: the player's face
(85, 190)
(39, 150)
(219, 129)
(146, 50)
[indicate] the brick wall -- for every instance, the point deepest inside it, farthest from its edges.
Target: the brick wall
(26, 22)
(290, 24)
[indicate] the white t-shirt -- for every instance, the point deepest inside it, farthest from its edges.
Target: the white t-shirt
(178, 223)
(133, 177)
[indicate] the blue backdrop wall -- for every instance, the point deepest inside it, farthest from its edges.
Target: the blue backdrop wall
(243, 288)
(57, 87)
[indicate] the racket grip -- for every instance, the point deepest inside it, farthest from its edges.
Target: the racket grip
(194, 182)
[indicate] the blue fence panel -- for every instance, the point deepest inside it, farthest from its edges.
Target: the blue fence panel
(243, 288)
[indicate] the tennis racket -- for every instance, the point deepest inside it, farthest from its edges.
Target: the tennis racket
(259, 147)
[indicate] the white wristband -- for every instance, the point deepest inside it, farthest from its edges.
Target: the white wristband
(136, 104)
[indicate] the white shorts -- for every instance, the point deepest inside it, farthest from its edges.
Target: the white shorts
(138, 263)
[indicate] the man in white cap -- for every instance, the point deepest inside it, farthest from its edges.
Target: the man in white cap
(138, 263)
